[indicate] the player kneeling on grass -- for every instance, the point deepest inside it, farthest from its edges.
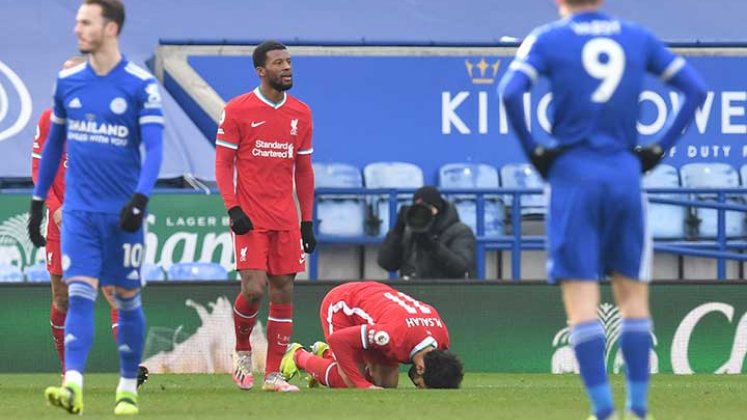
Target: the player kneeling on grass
(371, 328)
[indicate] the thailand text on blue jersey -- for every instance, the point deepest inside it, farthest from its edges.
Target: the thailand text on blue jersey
(103, 115)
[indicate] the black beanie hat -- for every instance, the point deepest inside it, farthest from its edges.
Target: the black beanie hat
(429, 195)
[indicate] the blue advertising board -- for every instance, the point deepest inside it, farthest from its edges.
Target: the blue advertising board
(432, 110)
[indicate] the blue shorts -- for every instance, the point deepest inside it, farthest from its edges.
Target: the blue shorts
(596, 222)
(93, 245)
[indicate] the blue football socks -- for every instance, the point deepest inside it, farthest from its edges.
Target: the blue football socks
(588, 342)
(79, 325)
(635, 342)
(131, 334)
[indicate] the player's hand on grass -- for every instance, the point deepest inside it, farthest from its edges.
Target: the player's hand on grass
(36, 214)
(307, 237)
(375, 387)
(131, 216)
(650, 156)
(542, 158)
(241, 224)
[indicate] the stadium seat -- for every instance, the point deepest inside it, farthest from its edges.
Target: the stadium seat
(389, 175)
(468, 175)
(197, 271)
(666, 221)
(37, 273)
(339, 215)
(525, 176)
(152, 272)
(10, 274)
(714, 175)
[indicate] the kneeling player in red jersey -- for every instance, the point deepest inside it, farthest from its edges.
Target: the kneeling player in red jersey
(371, 328)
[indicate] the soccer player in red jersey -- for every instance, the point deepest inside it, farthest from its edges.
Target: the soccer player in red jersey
(264, 137)
(371, 328)
(55, 198)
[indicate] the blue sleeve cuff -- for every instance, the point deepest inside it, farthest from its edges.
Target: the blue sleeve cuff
(152, 136)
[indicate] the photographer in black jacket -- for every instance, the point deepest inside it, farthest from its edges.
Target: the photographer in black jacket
(428, 240)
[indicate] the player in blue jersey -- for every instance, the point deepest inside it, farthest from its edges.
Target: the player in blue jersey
(596, 223)
(106, 108)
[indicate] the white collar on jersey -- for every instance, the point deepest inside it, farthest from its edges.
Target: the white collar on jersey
(427, 342)
(262, 98)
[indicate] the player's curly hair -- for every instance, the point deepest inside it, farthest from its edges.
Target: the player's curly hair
(442, 369)
(259, 56)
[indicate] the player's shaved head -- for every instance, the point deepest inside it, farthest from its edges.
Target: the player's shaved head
(111, 10)
(259, 56)
(272, 63)
(442, 370)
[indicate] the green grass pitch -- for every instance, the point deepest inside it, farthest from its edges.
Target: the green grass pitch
(483, 396)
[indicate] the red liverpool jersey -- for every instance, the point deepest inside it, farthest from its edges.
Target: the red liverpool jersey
(267, 138)
(393, 323)
(57, 193)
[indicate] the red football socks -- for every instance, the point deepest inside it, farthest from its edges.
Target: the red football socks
(279, 330)
(115, 325)
(244, 318)
(323, 369)
(57, 322)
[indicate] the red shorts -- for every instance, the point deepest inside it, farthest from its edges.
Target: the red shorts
(54, 256)
(337, 313)
(273, 251)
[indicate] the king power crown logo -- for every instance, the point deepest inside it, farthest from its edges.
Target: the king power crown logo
(482, 72)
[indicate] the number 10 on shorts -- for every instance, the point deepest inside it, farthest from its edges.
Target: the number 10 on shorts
(133, 255)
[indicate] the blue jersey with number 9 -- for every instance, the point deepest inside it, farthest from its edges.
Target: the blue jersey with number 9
(596, 65)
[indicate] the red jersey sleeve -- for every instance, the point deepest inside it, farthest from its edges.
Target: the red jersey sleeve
(345, 344)
(304, 175)
(42, 131)
(226, 145)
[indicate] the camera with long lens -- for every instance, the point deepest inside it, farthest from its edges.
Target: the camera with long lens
(419, 217)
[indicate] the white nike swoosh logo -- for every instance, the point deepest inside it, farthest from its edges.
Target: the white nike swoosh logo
(257, 123)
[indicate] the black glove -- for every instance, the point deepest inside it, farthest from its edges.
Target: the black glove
(401, 222)
(36, 214)
(307, 237)
(131, 216)
(650, 156)
(543, 158)
(425, 241)
(240, 224)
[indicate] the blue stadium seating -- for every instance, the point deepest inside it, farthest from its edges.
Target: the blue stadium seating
(714, 175)
(197, 271)
(525, 176)
(37, 273)
(10, 274)
(339, 215)
(468, 175)
(152, 272)
(666, 221)
(389, 175)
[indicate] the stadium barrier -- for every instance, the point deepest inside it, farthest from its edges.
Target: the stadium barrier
(720, 248)
(184, 227)
(494, 327)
